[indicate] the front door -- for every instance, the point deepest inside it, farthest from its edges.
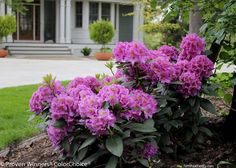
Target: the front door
(126, 23)
(28, 23)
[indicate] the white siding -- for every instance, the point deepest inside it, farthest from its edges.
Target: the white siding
(81, 35)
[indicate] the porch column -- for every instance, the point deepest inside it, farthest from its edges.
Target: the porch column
(138, 20)
(9, 12)
(68, 21)
(62, 21)
(2, 8)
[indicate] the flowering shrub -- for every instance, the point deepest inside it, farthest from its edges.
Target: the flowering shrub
(88, 119)
(152, 104)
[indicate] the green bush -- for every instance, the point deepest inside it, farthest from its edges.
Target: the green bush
(101, 32)
(7, 25)
(86, 51)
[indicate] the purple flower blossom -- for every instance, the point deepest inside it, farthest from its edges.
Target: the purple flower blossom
(89, 106)
(114, 94)
(130, 52)
(202, 66)
(64, 107)
(191, 45)
(89, 81)
(100, 122)
(191, 84)
(161, 70)
(42, 98)
(169, 51)
(79, 92)
(56, 135)
(149, 150)
(142, 105)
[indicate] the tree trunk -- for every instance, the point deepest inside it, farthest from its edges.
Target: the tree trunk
(229, 127)
(195, 20)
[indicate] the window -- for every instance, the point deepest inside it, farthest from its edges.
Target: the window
(93, 11)
(106, 11)
(79, 14)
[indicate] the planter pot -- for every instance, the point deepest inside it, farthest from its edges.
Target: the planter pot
(3, 53)
(103, 56)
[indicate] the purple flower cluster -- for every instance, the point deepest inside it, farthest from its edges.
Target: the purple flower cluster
(64, 107)
(191, 84)
(191, 45)
(55, 134)
(42, 98)
(114, 94)
(202, 66)
(130, 52)
(169, 51)
(90, 82)
(149, 151)
(141, 106)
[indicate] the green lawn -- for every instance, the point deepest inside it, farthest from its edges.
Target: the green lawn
(14, 114)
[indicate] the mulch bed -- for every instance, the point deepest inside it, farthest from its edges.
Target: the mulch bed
(39, 150)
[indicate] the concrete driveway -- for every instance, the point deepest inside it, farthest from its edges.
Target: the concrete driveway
(15, 72)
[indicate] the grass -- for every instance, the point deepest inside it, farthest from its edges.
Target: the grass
(14, 114)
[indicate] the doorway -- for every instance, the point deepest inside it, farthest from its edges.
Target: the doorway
(125, 23)
(28, 23)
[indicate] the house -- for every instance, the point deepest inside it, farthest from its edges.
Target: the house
(65, 23)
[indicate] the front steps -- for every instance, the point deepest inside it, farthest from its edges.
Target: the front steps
(27, 49)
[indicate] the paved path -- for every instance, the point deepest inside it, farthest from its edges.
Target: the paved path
(15, 72)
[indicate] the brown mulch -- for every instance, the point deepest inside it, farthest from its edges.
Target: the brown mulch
(39, 150)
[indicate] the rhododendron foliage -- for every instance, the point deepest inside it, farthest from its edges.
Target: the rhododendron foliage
(151, 103)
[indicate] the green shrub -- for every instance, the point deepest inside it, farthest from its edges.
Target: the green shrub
(101, 32)
(86, 51)
(7, 25)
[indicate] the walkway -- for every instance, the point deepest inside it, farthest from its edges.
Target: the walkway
(15, 72)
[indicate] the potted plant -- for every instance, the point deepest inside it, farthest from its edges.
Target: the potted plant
(102, 33)
(7, 27)
(86, 51)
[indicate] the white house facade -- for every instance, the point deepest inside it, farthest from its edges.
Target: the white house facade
(67, 21)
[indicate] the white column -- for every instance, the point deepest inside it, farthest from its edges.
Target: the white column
(135, 22)
(9, 12)
(62, 21)
(141, 22)
(113, 14)
(57, 21)
(2, 8)
(85, 15)
(68, 21)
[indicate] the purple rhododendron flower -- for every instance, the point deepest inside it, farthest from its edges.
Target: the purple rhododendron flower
(191, 45)
(79, 92)
(89, 106)
(130, 52)
(56, 135)
(42, 98)
(114, 94)
(100, 122)
(161, 70)
(64, 107)
(191, 84)
(149, 150)
(202, 66)
(141, 105)
(169, 51)
(89, 81)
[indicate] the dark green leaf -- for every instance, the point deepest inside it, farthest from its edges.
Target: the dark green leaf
(94, 157)
(168, 150)
(144, 162)
(195, 129)
(207, 105)
(196, 106)
(228, 98)
(82, 153)
(59, 123)
(141, 127)
(206, 131)
(112, 163)
(139, 139)
(87, 142)
(167, 126)
(114, 145)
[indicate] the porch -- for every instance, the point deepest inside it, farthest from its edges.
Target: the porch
(67, 21)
